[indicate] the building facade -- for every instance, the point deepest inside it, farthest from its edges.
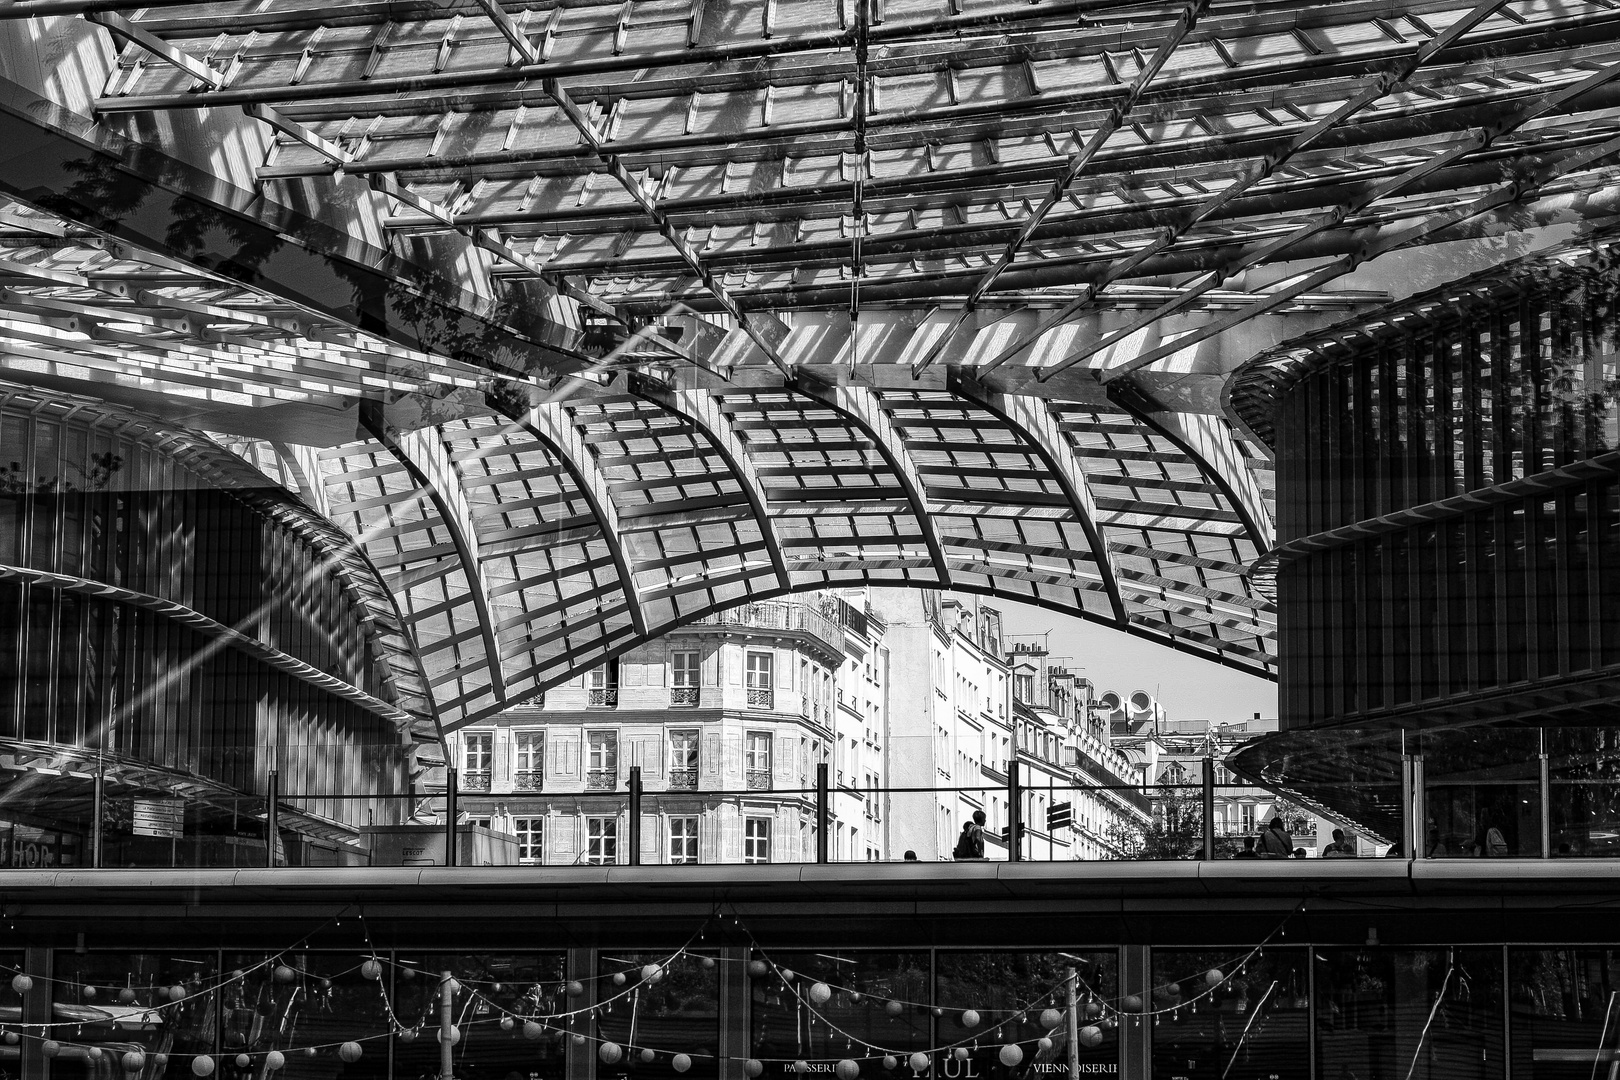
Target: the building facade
(179, 640)
(1449, 568)
(726, 720)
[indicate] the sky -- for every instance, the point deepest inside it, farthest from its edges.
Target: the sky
(1187, 687)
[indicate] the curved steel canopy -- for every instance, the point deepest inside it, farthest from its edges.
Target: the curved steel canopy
(585, 319)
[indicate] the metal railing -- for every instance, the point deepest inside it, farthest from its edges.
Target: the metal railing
(683, 697)
(760, 698)
(780, 615)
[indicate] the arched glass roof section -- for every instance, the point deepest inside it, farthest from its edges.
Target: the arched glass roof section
(585, 319)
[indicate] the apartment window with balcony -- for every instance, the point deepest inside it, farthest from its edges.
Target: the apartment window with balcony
(602, 686)
(683, 678)
(757, 760)
(602, 841)
(683, 841)
(531, 838)
(756, 840)
(761, 668)
(477, 752)
(602, 760)
(529, 760)
(683, 759)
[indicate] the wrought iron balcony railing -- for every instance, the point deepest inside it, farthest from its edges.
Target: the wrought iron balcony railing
(683, 697)
(601, 779)
(526, 780)
(781, 615)
(474, 780)
(759, 780)
(683, 779)
(761, 699)
(602, 699)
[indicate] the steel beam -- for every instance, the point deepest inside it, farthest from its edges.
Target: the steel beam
(424, 456)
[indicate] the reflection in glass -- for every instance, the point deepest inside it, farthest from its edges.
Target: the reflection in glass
(152, 1003)
(877, 1000)
(1427, 1014)
(1224, 1017)
(674, 1008)
(298, 1002)
(493, 985)
(1015, 995)
(1564, 1020)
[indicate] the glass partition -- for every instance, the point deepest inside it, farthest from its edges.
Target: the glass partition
(305, 1006)
(861, 1005)
(661, 1012)
(494, 988)
(105, 1005)
(1426, 1014)
(1564, 1023)
(1056, 1009)
(1231, 1016)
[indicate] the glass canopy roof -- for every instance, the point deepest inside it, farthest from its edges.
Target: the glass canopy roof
(586, 319)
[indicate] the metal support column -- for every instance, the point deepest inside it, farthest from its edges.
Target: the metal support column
(98, 812)
(447, 1023)
(1015, 814)
(823, 812)
(451, 811)
(272, 817)
(1409, 850)
(1136, 1030)
(635, 815)
(734, 990)
(1071, 1017)
(1209, 808)
(1419, 813)
(1544, 773)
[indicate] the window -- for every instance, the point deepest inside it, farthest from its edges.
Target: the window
(757, 840)
(477, 751)
(529, 750)
(601, 841)
(602, 686)
(757, 760)
(1248, 817)
(602, 760)
(531, 835)
(683, 759)
(761, 665)
(683, 678)
(683, 840)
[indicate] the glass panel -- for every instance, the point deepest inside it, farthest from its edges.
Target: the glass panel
(127, 1002)
(496, 987)
(654, 1015)
(1427, 1014)
(1564, 1024)
(879, 1000)
(1226, 1016)
(1023, 997)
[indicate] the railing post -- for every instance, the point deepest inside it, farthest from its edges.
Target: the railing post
(1209, 808)
(635, 815)
(1015, 814)
(823, 812)
(272, 817)
(1405, 838)
(1545, 777)
(98, 809)
(450, 813)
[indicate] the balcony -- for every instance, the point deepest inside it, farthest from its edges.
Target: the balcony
(473, 780)
(601, 779)
(761, 699)
(526, 780)
(781, 615)
(603, 699)
(759, 780)
(683, 697)
(683, 779)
